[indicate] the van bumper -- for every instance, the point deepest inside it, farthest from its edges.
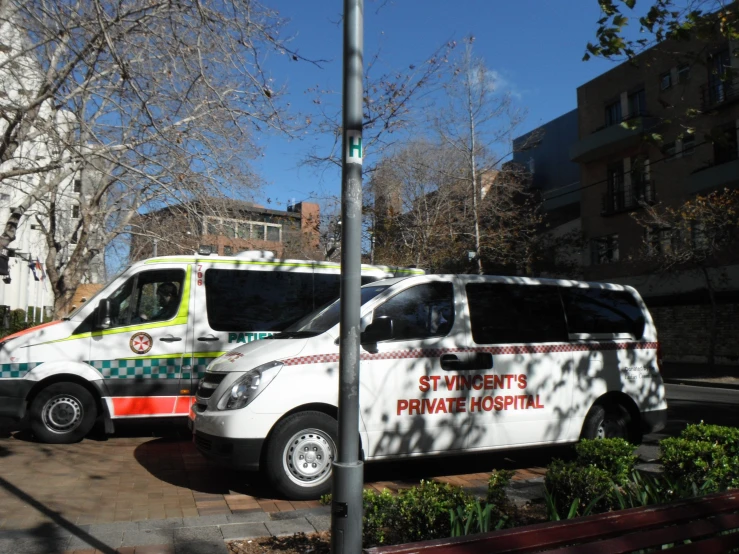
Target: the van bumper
(234, 453)
(13, 394)
(653, 421)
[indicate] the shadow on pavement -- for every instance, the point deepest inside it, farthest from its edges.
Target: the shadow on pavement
(48, 537)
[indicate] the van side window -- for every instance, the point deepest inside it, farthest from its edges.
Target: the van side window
(420, 312)
(240, 300)
(501, 313)
(147, 296)
(598, 311)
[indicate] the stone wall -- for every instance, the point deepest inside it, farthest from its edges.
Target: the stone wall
(684, 332)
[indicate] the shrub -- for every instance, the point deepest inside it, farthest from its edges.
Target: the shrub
(477, 517)
(422, 512)
(378, 511)
(699, 462)
(615, 456)
(728, 437)
(568, 482)
(497, 483)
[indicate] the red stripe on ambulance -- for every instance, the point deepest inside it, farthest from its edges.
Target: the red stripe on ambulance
(140, 406)
(497, 350)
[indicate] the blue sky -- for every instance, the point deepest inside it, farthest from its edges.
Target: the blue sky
(534, 46)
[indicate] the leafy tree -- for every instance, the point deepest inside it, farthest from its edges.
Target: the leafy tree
(696, 235)
(703, 20)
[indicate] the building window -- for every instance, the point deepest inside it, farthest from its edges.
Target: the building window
(78, 185)
(669, 149)
(665, 81)
(243, 231)
(228, 251)
(212, 228)
(4, 197)
(613, 113)
(725, 147)
(273, 233)
(688, 145)
(75, 212)
(637, 103)
(257, 231)
(73, 240)
(683, 73)
(604, 250)
(661, 241)
(229, 229)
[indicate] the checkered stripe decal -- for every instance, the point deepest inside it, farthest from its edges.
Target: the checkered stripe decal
(16, 371)
(498, 350)
(148, 368)
(198, 366)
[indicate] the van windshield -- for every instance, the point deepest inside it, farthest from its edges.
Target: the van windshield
(322, 319)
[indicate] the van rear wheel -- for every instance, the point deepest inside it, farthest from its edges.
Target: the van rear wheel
(300, 453)
(62, 413)
(607, 421)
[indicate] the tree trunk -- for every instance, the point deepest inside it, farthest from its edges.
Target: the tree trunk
(714, 319)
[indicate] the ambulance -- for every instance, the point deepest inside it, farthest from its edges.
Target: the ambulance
(449, 364)
(139, 347)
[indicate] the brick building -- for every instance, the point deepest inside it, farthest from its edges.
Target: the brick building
(227, 227)
(621, 168)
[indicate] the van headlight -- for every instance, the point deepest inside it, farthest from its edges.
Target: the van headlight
(247, 387)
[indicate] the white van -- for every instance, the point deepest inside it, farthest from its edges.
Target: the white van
(449, 364)
(139, 347)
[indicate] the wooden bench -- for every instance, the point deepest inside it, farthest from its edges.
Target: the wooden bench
(703, 521)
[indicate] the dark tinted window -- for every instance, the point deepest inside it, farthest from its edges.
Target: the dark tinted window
(264, 300)
(502, 314)
(602, 311)
(420, 312)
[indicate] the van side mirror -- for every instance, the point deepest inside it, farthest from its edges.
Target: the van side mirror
(102, 321)
(380, 329)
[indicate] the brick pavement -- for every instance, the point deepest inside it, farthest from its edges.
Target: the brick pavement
(135, 478)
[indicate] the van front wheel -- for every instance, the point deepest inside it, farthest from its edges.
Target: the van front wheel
(300, 453)
(62, 413)
(607, 422)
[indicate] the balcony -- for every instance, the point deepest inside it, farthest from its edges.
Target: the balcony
(717, 95)
(610, 138)
(627, 197)
(720, 173)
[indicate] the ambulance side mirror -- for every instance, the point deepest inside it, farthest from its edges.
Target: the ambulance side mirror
(103, 314)
(380, 329)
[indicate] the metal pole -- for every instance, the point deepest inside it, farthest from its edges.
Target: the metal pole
(156, 243)
(348, 472)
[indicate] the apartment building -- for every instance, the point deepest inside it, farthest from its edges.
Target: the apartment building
(543, 157)
(225, 227)
(660, 130)
(25, 285)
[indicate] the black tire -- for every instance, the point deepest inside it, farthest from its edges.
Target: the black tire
(607, 421)
(299, 455)
(62, 413)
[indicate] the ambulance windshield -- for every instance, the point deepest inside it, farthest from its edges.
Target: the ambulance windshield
(322, 319)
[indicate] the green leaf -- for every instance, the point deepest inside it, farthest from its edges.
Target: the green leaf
(630, 3)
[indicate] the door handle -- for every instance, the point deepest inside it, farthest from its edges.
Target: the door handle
(450, 362)
(481, 361)
(170, 339)
(208, 338)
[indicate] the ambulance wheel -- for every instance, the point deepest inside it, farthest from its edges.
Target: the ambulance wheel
(62, 413)
(607, 421)
(300, 453)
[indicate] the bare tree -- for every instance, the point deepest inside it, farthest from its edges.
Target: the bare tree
(147, 103)
(694, 235)
(479, 122)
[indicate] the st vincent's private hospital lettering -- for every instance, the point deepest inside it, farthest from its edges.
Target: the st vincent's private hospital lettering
(481, 403)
